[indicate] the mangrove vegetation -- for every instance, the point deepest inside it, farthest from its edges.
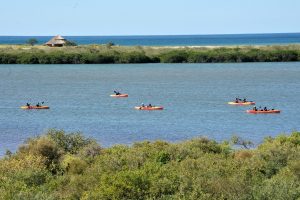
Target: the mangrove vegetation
(58, 165)
(111, 53)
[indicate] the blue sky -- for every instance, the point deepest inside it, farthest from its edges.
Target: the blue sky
(148, 17)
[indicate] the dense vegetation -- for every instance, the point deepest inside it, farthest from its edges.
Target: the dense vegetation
(68, 166)
(100, 54)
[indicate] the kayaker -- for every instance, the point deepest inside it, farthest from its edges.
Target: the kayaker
(244, 100)
(150, 105)
(117, 92)
(38, 104)
(143, 105)
(28, 104)
(254, 108)
(265, 108)
(236, 100)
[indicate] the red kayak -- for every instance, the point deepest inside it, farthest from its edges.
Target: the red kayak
(34, 107)
(263, 111)
(119, 95)
(247, 103)
(149, 108)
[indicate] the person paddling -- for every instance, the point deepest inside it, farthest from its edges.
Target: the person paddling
(117, 92)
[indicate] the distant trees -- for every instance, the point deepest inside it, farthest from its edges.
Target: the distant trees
(179, 56)
(110, 44)
(93, 55)
(61, 57)
(70, 43)
(32, 41)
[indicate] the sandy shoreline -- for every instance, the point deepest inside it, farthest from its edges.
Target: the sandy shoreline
(27, 47)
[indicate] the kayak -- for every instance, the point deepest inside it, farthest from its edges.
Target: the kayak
(35, 107)
(149, 108)
(263, 112)
(119, 95)
(248, 103)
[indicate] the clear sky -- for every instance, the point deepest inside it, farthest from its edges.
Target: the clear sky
(148, 17)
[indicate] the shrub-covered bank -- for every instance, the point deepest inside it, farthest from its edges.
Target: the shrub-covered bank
(95, 54)
(68, 166)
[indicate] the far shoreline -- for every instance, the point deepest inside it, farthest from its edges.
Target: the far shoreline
(114, 54)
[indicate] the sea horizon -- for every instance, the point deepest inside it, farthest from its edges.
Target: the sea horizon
(169, 40)
(192, 34)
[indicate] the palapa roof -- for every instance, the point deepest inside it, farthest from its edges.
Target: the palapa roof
(57, 40)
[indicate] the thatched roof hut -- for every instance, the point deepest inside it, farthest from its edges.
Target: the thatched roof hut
(56, 41)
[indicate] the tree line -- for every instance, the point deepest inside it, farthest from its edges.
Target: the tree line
(218, 55)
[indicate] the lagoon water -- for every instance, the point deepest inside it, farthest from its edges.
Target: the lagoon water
(195, 98)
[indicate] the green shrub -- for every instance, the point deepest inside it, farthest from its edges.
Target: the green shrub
(70, 143)
(174, 57)
(194, 169)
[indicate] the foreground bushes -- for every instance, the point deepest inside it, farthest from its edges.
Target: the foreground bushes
(69, 166)
(90, 55)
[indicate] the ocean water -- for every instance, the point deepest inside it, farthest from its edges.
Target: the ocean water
(171, 40)
(195, 98)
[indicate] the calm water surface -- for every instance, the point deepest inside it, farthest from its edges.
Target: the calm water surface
(195, 98)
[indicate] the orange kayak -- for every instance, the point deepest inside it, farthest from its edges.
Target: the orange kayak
(149, 108)
(34, 107)
(119, 95)
(263, 112)
(248, 103)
